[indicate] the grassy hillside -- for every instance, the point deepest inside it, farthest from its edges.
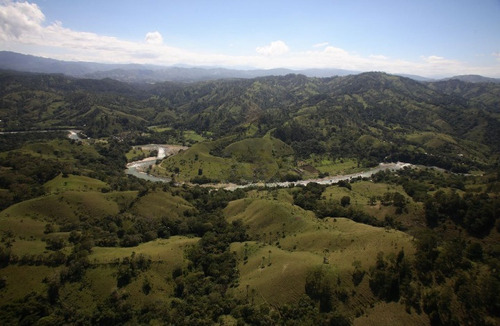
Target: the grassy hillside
(157, 205)
(108, 258)
(63, 183)
(290, 242)
(166, 256)
(83, 243)
(64, 208)
(367, 116)
(251, 159)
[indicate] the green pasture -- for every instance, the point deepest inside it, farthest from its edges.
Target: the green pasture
(61, 208)
(73, 183)
(168, 251)
(161, 204)
(242, 161)
(23, 280)
(58, 149)
(138, 153)
(332, 167)
(289, 242)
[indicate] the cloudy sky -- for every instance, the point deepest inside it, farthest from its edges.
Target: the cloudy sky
(431, 38)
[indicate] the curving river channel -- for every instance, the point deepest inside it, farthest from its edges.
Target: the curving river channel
(138, 168)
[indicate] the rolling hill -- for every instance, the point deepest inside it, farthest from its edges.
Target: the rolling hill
(84, 243)
(324, 116)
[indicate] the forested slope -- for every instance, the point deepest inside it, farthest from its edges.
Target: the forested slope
(370, 116)
(84, 243)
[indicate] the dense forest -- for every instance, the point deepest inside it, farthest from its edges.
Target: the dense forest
(84, 243)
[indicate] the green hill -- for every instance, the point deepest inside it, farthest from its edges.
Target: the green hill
(225, 160)
(312, 115)
(81, 242)
(290, 242)
(73, 183)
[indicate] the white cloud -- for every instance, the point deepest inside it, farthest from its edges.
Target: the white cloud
(379, 57)
(154, 38)
(434, 59)
(18, 19)
(273, 49)
(23, 29)
(335, 52)
(320, 45)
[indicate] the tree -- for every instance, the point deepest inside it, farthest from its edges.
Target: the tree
(399, 201)
(345, 201)
(4, 256)
(387, 277)
(319, 287)
(345, 184)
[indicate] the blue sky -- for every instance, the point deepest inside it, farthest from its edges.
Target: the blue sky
(429, 38)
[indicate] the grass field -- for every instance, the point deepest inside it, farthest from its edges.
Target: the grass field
(60, 149)
(252, 159)
(391, 313)
(63, 208)
(169, 251)
(188, 135)
(289, 242)
(161, 204)
(166, 255)
(363, 191)
(332, 167)
(192, 136)
(277, 280)
(22, 280)
(73, 183)
(138, 153)
(26, 227)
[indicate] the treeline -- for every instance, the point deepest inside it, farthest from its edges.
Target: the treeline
(23, 177)
(309, 197)
(330, 116)
(454, 282)
(24, 173)
(476, 213)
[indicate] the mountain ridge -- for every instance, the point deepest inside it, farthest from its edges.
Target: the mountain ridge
(149, 73)
(145, 73)
(474, 79)
(371, 116)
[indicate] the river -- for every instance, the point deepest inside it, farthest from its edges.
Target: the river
(72, 134)
(327, 180)
(138, 168)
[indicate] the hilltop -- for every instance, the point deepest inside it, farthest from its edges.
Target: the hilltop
(371, 116)
(84, 243)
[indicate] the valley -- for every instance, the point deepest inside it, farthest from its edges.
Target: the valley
(279, 200)
(139, 168)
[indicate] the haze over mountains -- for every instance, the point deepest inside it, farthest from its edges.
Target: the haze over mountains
(138, 73)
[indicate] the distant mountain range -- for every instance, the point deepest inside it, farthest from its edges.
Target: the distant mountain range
(137, 73)
(475, 79)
